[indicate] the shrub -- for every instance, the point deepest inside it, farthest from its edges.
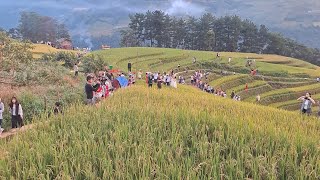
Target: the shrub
(68, 59)
(32, 105)
(39, 73)
(279, 85)
(93, 63)
(301, 75)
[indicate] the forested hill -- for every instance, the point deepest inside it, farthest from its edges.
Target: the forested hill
(228, 33)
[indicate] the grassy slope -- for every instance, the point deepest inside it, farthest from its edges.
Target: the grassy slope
(40, 49)
(168, 134)
(145, 58)
(156, 59)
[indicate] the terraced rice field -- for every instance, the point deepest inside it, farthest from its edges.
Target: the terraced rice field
(272, 89)
(162, 59)
(144, 133)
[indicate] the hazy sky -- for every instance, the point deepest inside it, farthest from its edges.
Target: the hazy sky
(59, 8)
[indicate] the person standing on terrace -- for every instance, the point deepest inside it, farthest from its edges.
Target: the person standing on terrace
(306, 105)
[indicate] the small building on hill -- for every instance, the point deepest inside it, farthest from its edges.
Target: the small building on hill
(64, 43)
(105, 47)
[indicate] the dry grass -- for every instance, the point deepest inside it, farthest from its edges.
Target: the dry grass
(40, 49)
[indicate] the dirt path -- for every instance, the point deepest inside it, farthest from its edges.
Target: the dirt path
(12, 132)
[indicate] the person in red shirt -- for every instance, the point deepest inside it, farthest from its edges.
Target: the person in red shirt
(147, 78)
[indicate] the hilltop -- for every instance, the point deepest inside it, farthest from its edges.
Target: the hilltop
(171, 133)
(41, 49)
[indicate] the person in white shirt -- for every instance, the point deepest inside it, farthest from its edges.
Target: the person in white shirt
(173, 82)
(76, 69)
(16, 113)
(155, 77)
(140, 74)
(168, 80)
(258, 98)
(1, 116)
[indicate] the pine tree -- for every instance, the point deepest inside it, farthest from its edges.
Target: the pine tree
(205, 28)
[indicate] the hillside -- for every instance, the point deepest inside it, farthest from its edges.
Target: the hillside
(37, 84)
(282, 80)
(183, 133)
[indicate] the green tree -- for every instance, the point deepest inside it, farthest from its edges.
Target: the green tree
(220, 35)
(128, 38)
(249, 37)
(178, 27)
(14, 53)
(263, 38)
(192, 33)
(228, 33)
(93, 63)
(137, 26)
(205, 28)
(149, 28)
(158, 19)
(62, 32)
(35, 27)
(167, 31)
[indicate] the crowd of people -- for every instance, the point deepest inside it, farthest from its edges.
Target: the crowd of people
(166, 79)
(104, 84)
(198, 80)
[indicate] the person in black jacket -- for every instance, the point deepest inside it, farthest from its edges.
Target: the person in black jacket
(90, 90)
(232, 94)
(129, 66)
(16, 112)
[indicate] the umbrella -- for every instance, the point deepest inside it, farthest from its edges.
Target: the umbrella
(123, 81)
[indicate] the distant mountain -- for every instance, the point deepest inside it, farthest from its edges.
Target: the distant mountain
(299, 20)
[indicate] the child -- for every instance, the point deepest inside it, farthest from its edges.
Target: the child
(1, 117)
(57, 109)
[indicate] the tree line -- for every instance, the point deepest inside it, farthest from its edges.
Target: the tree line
(36, 28)
(210, 33)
